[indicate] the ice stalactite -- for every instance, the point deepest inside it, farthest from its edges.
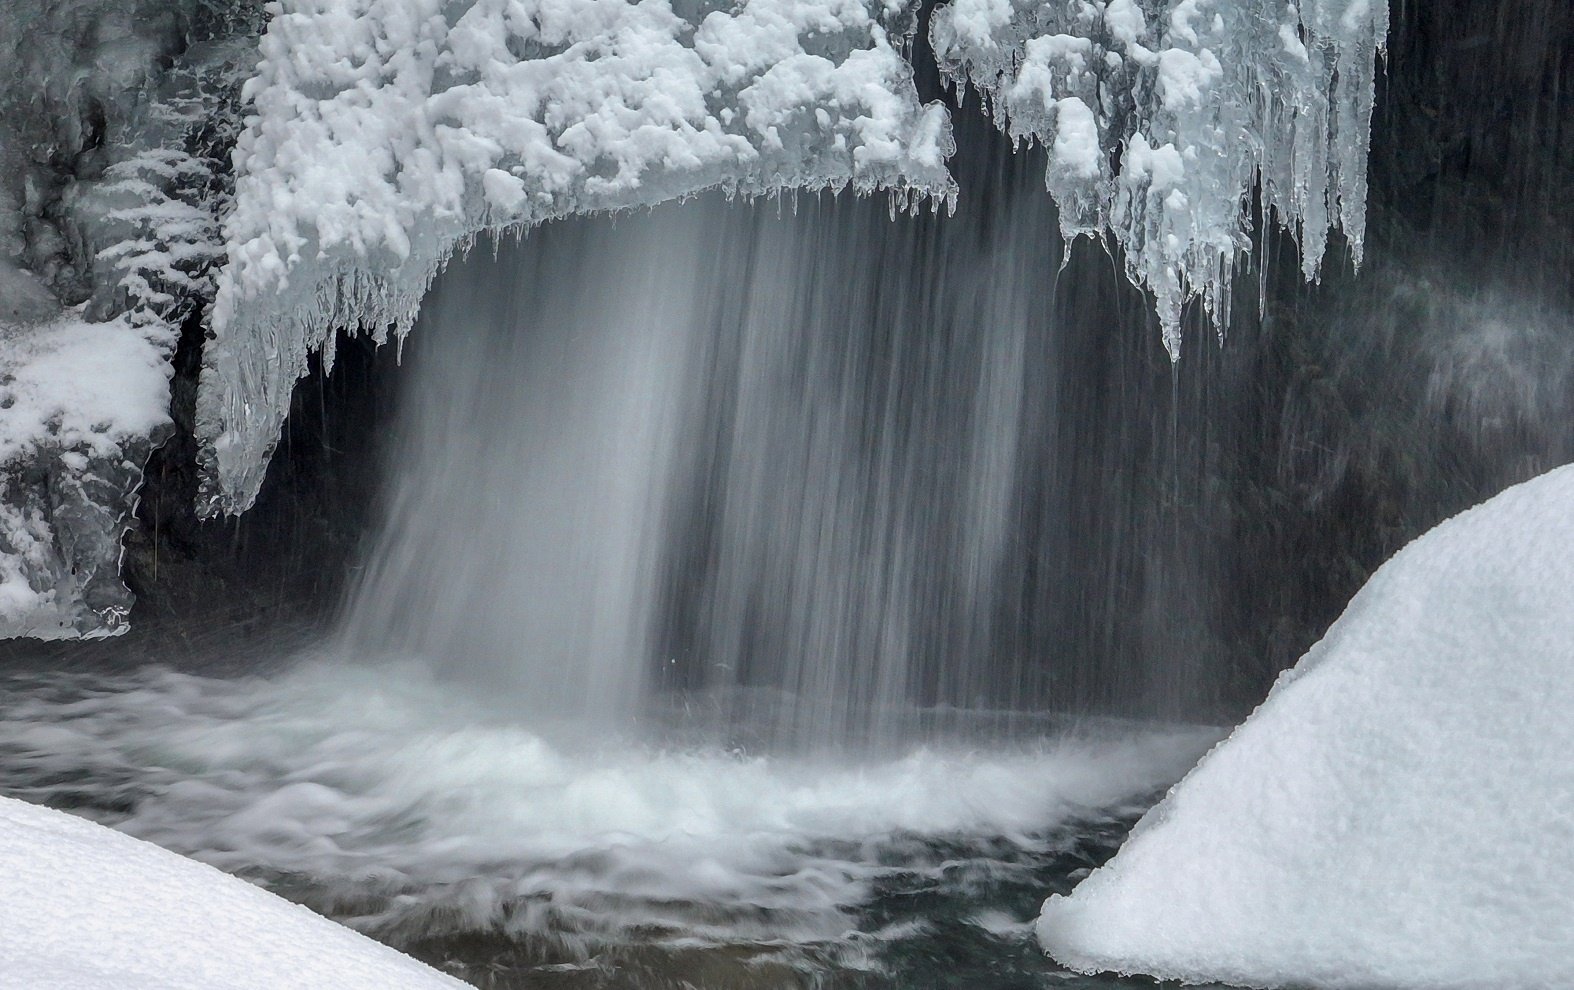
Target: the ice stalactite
(1161, 118)
(387, 134)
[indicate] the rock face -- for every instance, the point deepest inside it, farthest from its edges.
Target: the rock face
(1396, 813)
(114, 120)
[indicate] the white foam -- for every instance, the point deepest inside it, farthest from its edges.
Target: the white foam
(381, 796)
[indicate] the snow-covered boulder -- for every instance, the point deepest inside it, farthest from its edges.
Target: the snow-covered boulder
(82, 405)
(387, 133)
(1400, 811)
(88, 908)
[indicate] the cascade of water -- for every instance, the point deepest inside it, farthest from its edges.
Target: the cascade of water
(529, 480)
(811, 417)
(816, 473)
(859, 476)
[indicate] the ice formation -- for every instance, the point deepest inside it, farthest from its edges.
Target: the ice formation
(81, 406)
(111, 143)
(388, 132)
(91, 909)
(1396, 813)
(1162, 116)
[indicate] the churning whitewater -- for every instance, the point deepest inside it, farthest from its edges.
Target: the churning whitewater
(412, 810)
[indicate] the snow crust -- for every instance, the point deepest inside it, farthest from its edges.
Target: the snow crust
(389, 132)
(1162, 116)
(87, 908)
(1397, 813)
(81, 405)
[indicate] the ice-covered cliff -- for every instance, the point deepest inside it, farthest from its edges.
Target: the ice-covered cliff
(111, 177)
(382, 135)
(389, 132)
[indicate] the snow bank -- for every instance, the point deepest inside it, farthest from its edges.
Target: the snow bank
(1398, 813)
(87, 907)
(1161, 116)
(388, 132)
(81, 406)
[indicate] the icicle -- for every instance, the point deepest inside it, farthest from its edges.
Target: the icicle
(1201, 102)
(320, 240)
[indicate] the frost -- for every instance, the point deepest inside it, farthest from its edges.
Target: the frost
(386, 134)
(1163, 116)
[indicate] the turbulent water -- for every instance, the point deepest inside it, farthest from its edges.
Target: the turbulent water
(442, 821)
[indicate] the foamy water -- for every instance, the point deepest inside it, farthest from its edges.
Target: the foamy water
(383, 798)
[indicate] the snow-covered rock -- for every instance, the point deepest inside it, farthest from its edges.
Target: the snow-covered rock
(1161, 118)
(1400, 811)
(116, 118)
(87, 908)
(387, 133)
(82, 405)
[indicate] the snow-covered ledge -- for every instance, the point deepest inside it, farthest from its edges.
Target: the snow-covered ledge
(388, 133)
(82, 404)
(89, 908)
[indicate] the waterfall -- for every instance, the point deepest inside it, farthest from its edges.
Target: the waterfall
(528, 490)
(769, 455)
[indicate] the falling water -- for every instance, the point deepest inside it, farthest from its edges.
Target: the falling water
(705, 621)
(767, 455)
(535, 453)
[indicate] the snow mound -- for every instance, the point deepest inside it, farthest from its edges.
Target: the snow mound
(389, 132)
(87, 907)
(1397, 813)
(1162, 116)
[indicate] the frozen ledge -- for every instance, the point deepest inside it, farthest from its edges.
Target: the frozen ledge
(389, 133)
(1165, 119)
(82, 405)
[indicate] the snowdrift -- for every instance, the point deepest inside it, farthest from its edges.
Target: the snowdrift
(1399, 812)
(86, 907)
